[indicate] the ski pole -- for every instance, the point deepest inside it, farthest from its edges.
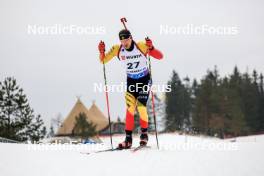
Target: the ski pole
(107, 103)
(153, 104)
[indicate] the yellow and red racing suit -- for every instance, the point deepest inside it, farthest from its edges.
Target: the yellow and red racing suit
(138, 77)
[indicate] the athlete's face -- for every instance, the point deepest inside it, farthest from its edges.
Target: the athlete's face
(126, 42)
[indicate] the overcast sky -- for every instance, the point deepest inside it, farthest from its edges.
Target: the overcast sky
(54, 69)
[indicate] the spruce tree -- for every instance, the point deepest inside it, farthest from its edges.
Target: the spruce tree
(261, 104)
(83, 128)
(174, 111)
(17, 118)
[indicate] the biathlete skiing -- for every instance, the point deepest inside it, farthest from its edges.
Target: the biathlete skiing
(134, 56)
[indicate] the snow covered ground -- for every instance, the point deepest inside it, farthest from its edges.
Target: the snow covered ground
(178, 155)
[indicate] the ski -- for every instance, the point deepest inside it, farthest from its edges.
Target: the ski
(139, 148)
(133, 150)
(100, 151)
(106, 150)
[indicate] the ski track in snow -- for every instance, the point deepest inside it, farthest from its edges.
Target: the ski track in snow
(245, 160)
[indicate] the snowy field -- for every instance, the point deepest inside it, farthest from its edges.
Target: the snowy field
(178, 155)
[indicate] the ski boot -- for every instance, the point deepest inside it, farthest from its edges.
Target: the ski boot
(127, 144)
(143, 137)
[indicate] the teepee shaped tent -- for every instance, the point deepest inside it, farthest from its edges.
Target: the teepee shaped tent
(93, 115)
(96, 116)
